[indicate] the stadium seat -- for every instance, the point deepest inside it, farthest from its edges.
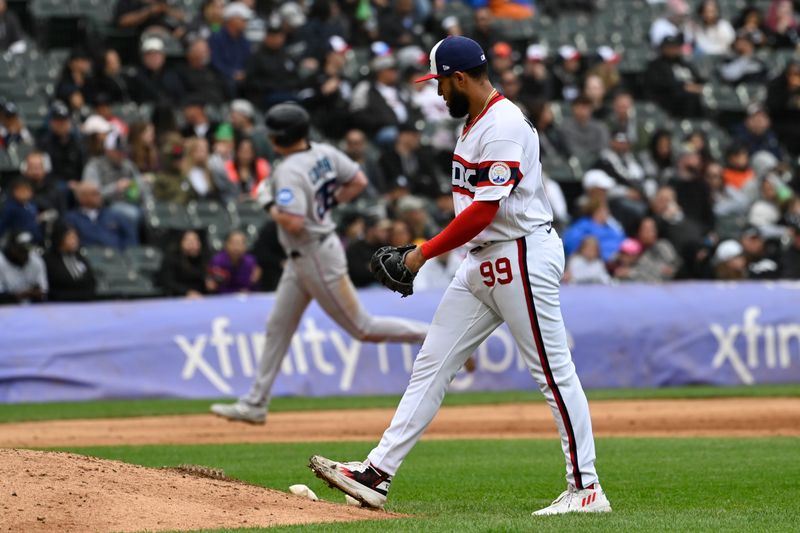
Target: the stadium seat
(107, 263)
(167, 217)
(144, 259)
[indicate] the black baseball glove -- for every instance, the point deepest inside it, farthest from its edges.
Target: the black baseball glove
(388, 265)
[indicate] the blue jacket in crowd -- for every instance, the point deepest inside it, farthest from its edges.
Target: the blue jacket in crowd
(109, 229)
(609, 236)
(22, 217)
(229, 54)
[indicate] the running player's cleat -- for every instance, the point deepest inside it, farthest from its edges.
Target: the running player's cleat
(362, 481)
(240, 411)
(572, 500)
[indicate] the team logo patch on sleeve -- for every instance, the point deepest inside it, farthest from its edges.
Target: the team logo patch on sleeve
(285, 197)
(499, 173)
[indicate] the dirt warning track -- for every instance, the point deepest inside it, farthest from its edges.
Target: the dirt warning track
(645, 418)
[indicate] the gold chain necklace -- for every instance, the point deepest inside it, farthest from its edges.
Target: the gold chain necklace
(485, 105)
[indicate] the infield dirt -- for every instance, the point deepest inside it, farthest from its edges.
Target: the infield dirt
(49, 491)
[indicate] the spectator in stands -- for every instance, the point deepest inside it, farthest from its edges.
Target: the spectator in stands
(69, 276)
(692, 190)
(223, 150)
(743, 66)
(713, 35)
(483, 32)
(584, 136)
(400, 25)
(790, 259)
(627, 198)
(730, 204)
(506, 9)
(95, 129)
(673, 82)
(410, 159)
(144, 152)
(152, 80)
(774, 195)
(595, 223)
(501, 60)
(355, 145)
(359, 252)
(673, 23)
(270, 256)
(761, 258)
(329, 91)
(783, 103)
(551, 138)
(98, 225)
(142, 14)
(184, 268)
(230, 49)
(686, 235)
(756, 132)
(585, 265)
(567, 74)
(63, 145)
(626, 260)
(23, 277)
(659, 261)
(104, 109)
(49, 199)
(737, 172)
(246, 171)
(233, 269)
(511, 87)
(208, 21)
(595, 90)
(200, 79)
(201, 181)
(13, 131)
(271, 73)
(537, 80)
(380, 105)
(750, 21)
(168, 184)
(19, 213)
(76, 86)
(414, 211)
(729, 261)
(399, 233)
(242, 119)
(658, 160)
(197, 123)
(782, 22)
(110, 79)
(622, 116)
(11, 37)
(607, 68)
(118, 179)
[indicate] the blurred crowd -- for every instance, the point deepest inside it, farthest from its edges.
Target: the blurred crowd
(647, 205)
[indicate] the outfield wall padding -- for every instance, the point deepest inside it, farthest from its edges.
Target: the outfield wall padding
(621, 336)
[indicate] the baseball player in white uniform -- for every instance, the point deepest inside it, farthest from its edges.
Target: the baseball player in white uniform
(310, 180)
(511, 274)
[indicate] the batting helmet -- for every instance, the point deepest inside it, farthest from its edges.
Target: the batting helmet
(287, 123)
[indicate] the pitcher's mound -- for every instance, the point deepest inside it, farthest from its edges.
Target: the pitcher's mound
(49, 491)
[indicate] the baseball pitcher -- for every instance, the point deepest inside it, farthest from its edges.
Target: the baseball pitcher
(306, 185)
(511, 275)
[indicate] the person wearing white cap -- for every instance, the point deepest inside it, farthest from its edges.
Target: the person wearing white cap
(568, 73)
(153, 81)
(729, 261)
(230, 49)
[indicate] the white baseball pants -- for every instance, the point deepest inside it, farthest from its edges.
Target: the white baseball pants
(516, 282)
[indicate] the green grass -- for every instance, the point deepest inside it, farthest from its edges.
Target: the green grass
(474, 486)
(125, 408)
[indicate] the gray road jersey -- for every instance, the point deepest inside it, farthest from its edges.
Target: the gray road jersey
(303, 184)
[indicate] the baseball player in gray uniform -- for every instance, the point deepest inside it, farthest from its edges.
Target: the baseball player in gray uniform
(305, 186)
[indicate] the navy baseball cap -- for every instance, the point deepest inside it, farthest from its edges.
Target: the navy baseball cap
(454, 54)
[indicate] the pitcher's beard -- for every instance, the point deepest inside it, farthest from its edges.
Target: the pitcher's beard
(458, 106)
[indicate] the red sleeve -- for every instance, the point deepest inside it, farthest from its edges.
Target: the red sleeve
(462, 229)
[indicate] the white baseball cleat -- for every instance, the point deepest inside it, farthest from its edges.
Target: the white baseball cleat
(241, 411)
(362, 481)
(572, 500)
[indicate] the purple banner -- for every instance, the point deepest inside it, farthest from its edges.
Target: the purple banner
(621, 336)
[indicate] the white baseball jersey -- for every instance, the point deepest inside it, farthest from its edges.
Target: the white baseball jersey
(497, 157)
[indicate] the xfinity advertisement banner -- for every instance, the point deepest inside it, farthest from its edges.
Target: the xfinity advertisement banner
(622, 336)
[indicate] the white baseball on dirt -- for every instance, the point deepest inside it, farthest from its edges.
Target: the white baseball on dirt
(351, 501)
(303, 491)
